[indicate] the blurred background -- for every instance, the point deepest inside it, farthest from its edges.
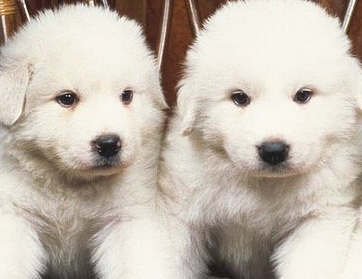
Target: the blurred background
(184, 16)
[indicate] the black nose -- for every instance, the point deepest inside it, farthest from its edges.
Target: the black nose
(273, 153)
(107, 145)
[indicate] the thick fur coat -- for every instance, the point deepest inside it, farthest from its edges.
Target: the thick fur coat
(263, 155)
(81, 115)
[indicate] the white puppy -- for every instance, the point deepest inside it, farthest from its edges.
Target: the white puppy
(353, 268)
(81, 119)
(263, 154)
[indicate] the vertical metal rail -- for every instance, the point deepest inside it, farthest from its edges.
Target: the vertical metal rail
(8, 19)
(89, 2)
(194, 16)
(164, 31)
(348, 16)
(93, 3)
(105, 4)
(23, 9)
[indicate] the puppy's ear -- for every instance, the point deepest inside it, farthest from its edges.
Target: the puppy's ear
(157, 95)
(357, 83)
(13, 85)
(160, 98)
(359, 90)
(187, 106)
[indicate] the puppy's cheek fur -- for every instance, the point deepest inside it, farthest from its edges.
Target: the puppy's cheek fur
(79, 156)
(66, 147)
(232, 136)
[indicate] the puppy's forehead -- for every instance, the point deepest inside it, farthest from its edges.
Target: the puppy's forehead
(78, 35)
(269, 36)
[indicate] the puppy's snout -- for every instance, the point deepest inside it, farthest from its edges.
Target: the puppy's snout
(107, 145)
(274, 152)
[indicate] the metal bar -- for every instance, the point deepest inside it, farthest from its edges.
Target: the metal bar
(89, 2)
(93, 3)
(164, 31)
(105, 4)
(8, 18)
(348, 16)
(23, 9)
(194, 16)
(4, 30)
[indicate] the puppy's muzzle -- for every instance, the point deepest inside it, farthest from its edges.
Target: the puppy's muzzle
(107, 145)
(274, 152)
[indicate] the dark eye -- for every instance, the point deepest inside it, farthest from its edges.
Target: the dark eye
(240, 98)
(127, 96)
(303, 96)
(67, 99)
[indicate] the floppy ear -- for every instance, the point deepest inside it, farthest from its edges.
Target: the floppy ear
(157, 95)
(359, 89)
(160, 98)
(356, 79)
(359, 92)
(13, 85)
(187, 106)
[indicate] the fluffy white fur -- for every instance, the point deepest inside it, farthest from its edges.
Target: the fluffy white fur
(353, 268)
(63, 209)
(239, 215)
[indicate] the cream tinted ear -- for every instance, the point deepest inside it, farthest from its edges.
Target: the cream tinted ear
(13, 85)
(359, 89)
(160, 98)
(357, 82)
(157, 95)
(187, 106)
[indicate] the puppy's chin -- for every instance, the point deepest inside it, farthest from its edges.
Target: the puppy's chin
(96, 172)
(93, 170)
(268, 171)
(80, 177)
(274, 173)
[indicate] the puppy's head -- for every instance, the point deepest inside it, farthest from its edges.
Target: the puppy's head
(80, 90)
(271, 85)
